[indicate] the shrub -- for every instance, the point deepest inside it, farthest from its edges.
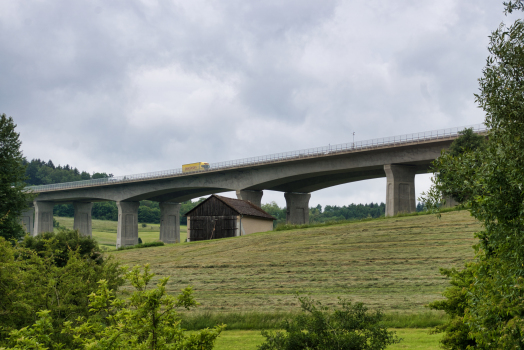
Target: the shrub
(350, 326)
(60, 244)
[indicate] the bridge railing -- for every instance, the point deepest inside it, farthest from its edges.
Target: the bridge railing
(271, 158)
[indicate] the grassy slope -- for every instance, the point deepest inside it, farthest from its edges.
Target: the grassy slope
(391, 263)
(105, 231)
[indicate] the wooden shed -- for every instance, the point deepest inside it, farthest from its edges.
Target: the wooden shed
(220, 217)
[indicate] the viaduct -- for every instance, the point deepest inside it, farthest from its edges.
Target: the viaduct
(296, 173)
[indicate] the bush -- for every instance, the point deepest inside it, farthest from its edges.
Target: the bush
(349, 326)
(60, 244)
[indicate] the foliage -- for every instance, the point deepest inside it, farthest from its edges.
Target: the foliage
(40, 172)
(101, 211)
(13, 200)
(31, 282)
(61, 243)
(351, 211)
(350, 326)
(330, 213)
(457, 333)
(146, 320)
(465, 151)
(468, 141)
(278, 213)
(491, 182)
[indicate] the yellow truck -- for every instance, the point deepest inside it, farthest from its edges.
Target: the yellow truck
(186, 168)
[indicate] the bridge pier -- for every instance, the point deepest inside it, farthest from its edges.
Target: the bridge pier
(400, 191)
(127, 229)
(450, 202)
(254, 197)
(297, 205)
(43, 217)
(82, 221)
(27, 220)
(169, 222)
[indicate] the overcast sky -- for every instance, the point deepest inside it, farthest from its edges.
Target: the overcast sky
(128, 87)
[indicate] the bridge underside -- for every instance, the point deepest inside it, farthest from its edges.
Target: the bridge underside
(297, 179)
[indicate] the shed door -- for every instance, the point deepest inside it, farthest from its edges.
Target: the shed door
(212, 227)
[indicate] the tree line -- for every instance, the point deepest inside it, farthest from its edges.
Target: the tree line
(330, 212)
(39, 172)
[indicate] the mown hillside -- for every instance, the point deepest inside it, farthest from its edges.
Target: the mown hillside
(389, 263)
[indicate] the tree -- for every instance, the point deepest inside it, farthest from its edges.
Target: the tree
(146, 320)
(492, 182)
(13, 199)
(468, 141)
(350, 326)
(99, 176)
(466, 150)
(31, 281)
(457, 332)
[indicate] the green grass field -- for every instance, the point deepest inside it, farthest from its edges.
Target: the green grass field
(413, 339)
(392, 264)
(105, 231)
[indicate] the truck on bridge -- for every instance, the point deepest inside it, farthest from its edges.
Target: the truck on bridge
(186, 168)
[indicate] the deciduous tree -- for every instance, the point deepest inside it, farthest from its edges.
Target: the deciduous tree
(13, 200)
(492, 182)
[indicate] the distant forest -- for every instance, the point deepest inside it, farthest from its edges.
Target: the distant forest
(40, 172)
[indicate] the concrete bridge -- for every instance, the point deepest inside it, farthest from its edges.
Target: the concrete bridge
(296, 173)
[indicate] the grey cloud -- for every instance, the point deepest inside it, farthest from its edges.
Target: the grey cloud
(130, 86)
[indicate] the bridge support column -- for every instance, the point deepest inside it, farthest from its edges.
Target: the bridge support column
(169, 222)
(27, 220)
(82, 221)
(400, 191)
(127, 229)
(43, 217)
(450, 202)
(297, 205)
(254, 197)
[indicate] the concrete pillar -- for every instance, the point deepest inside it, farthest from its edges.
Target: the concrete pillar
(400, 191)
(27, 220)
(254, 197)
(170, 222)
(297, 205)
(127, 229)
(82, 221)
(43, 217)
(450, 202)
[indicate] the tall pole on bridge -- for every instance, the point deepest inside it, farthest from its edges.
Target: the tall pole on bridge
(353, 139)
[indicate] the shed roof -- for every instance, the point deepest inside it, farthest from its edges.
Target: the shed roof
(240, 206)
